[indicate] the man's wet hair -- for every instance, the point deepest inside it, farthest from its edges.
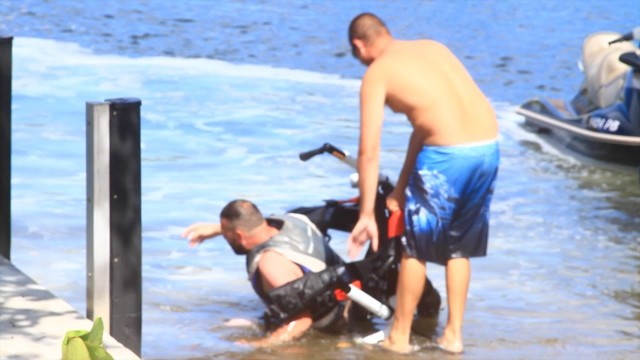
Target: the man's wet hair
(366, 26)
(242, 214)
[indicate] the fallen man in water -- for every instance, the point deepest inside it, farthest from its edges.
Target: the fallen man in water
(293, 270)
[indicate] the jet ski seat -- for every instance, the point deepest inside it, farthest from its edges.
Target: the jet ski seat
(604, 73)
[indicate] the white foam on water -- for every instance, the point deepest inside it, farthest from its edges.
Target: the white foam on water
(218, 119)
(35, 58)
(512, 129)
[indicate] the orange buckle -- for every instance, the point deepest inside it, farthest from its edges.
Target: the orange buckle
(341, 295)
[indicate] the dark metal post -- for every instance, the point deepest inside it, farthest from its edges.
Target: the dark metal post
(126, 252)
(6, 44)
(120, 173)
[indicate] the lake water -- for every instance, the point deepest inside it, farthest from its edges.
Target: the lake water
(232, 91)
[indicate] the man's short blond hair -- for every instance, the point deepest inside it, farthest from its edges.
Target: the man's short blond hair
(242, 214)
(366, 27)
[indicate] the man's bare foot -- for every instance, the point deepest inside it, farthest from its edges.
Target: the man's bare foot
(390, 345)
(449, 345)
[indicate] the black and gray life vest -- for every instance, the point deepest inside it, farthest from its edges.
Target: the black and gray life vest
(301, 242)
(298, 240)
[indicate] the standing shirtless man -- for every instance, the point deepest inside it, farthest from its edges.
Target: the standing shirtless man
(447, 180)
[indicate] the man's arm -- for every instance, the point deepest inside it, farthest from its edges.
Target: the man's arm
(276, 270)
(396, 200)
(372, 101)
(199, 232)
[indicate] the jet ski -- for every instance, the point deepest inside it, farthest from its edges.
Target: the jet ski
(378, 271)
(602, 121)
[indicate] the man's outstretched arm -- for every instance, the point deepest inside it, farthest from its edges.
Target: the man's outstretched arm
(199, 232)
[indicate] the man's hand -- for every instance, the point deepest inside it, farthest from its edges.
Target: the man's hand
(396, 200)
(366, 229)
(199, 232)
(287, 332)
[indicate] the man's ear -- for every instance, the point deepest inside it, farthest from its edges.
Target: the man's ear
(241, 236)
(358, 44)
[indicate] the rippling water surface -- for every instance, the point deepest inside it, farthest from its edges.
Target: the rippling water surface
(231, 93)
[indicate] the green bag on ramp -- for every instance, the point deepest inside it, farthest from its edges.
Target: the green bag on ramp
(85, 345)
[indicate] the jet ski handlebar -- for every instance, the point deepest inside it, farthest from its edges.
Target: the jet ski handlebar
(330, 149)
(633, 35)
(342, 156)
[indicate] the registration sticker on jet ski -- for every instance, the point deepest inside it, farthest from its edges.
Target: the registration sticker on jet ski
(605, 124)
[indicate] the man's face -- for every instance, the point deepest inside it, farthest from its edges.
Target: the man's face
(233, 238)
(356, 52)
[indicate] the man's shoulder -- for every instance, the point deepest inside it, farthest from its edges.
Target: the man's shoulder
(407, 55)
(377, 71)
(271, 254)
(415, 49)
(396, 54)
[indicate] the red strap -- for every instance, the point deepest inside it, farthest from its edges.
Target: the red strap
(396, 224)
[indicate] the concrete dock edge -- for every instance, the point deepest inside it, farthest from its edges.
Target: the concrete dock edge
(33, 321)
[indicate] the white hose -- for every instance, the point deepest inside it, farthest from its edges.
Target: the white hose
(368, 302)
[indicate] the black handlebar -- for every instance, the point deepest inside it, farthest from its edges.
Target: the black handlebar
(625, 37)
(325, 148)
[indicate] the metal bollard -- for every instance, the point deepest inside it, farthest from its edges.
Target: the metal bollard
(6, 44)
(114, 231)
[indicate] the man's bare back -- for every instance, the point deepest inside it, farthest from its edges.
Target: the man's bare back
(427, 83)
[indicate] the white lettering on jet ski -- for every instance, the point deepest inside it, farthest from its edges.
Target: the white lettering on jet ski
(602, 123)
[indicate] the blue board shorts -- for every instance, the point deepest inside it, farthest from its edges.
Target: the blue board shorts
(448, 198)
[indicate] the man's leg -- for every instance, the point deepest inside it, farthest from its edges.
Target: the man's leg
(408, 293)
(458, 273)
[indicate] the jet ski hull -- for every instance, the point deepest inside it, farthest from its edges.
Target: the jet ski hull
(570, 134)
(602, 121)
